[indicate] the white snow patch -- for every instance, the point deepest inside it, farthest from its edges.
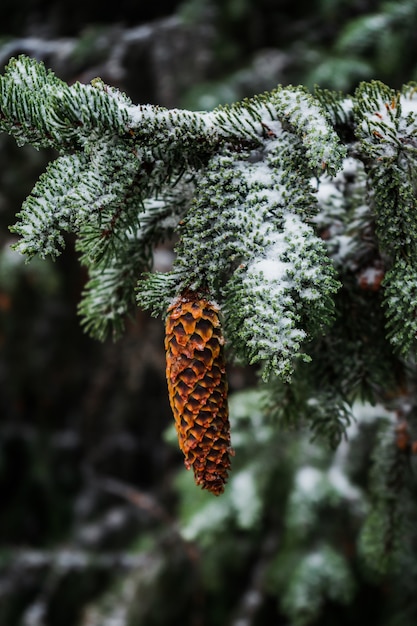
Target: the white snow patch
(315, 560)
(245, 499)
(342, 485)
(163, 260)
(272, 269)
(208, 517)
(367, 413)
(408, 105)
(308, 478)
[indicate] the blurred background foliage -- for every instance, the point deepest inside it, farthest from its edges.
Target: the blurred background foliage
(100, 523)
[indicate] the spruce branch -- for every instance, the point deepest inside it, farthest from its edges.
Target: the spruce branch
(246, 232)
(266, 300)
(388, 142)
(110, 293)
(381, 541)
(57, 203)
(323, 574)
(244, 239)
(38, 108)
(248, 236)
(400, 296)
(387, 126)
(311, 123)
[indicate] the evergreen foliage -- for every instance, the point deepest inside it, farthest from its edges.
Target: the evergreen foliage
(295, 212)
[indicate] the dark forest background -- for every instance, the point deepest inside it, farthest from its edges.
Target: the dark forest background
(88, 476)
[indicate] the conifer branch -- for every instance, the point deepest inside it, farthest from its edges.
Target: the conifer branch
(381, 540)
(236, 185)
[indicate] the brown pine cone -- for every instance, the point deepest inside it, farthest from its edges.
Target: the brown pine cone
(197, 386)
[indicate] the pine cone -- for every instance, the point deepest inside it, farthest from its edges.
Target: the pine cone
(197, 386)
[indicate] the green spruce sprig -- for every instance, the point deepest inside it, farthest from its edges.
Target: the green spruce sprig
(387, 127)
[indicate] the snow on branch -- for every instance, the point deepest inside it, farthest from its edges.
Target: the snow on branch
(245, 225)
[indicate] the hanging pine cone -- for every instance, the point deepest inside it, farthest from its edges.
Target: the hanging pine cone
(197, 388)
